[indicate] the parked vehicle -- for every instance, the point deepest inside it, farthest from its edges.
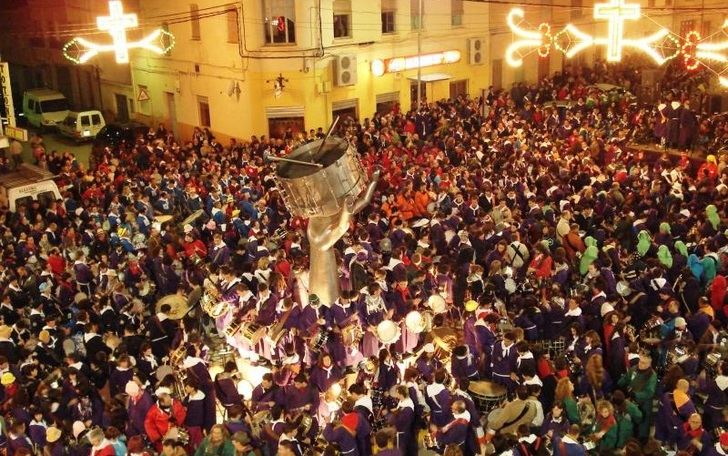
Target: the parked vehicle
(45, 108)
(83, 125)
(26, 184)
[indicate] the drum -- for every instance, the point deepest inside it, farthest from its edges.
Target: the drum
(388, 332)
(445, 338)
(437, 304)
(319, 341)
(351, 334)
(675, 355)
(252, 332)
(418, 322)
(309, 191)
(163, 371)
(258, 422)
(163, 218)
(487, 395)
(650, 334)
(711, 363)
(177, 303)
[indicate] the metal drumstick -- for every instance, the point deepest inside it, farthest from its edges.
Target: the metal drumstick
(328, 133)
(290, 160)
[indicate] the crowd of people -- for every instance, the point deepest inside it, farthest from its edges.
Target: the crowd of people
(524, 282)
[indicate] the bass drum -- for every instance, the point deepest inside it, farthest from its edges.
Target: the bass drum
(309, 191)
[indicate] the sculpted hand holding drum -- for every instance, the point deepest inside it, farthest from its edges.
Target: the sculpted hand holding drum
(324, 181)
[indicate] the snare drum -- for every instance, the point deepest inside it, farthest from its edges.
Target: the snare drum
(252, 332)
(711, 363)
(309, 191)
(487, 395)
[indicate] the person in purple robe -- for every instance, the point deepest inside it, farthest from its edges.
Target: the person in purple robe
(383, 441)
(120, 375)
(198, 371)
(455, 432)
(503, 361)
(463, 365)
(301, 397)
(37, 428)
(674, 409)
(194, 402)
(427, 363)
(267, 395)
(402, 418)
(343, 314)
(555, 423)
(226, 389)
(344, 434)
(372, 311)
(325, 373)
(439, 399)
(138, 405)
(688, 126)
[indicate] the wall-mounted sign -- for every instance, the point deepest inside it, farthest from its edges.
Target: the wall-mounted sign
(379, 67)
(80, 50)
(7, 92)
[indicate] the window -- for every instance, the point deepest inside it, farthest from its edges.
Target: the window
(279, 23)
(232, 25)
(85, 121)
(457, 12)
(389, 16)
(686, 27)
(415, 13)
(96, 119)
(388, 22)
(195, 21)
(204, 110)
(576, 11)
(342, 18)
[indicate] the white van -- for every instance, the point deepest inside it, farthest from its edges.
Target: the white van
(82, 125)
(26, 184)
(44, 108)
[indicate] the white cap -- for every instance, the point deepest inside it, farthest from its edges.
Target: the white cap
(162, 390)
(680, 322)
(429, 348)
(685, 212)
(187, 228)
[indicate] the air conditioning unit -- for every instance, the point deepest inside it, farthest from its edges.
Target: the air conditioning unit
(345, 70)
(476, 48)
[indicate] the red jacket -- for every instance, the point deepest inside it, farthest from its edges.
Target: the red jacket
(157, 423)
(108, 450)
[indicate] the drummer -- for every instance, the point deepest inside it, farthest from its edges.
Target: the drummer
(504, 360)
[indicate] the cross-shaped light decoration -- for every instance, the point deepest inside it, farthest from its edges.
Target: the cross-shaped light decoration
(116, 24)
(616, 12)
(80, 50)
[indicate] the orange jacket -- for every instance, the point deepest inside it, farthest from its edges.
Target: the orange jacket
(422, 199)
(406, 207)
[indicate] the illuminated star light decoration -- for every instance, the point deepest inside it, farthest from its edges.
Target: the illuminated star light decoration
(579, 40)
(80, 50)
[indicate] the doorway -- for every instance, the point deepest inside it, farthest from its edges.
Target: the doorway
(413, 92)
(122, 107)
(172, 113)
(497, 77)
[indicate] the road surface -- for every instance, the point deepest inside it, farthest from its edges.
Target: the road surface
(54, 141)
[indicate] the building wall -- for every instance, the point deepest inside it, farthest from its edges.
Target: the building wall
(211, 66)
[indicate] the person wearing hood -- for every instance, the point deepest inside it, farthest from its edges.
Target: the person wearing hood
(344, 434)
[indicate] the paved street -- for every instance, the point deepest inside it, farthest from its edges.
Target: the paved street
(54, 141)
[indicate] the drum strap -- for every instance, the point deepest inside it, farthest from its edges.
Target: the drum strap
(516, 419)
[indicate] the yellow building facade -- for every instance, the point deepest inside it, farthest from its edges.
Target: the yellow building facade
(222, 71)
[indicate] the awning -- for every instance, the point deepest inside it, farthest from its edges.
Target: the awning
(432, 77)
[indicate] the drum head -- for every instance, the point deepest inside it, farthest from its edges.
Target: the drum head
(487, 389)
(163, 371)
(327, 155)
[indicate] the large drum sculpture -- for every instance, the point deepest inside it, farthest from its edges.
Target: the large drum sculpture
(324, 182)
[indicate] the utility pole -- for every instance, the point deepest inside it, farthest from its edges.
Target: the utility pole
(419, 52)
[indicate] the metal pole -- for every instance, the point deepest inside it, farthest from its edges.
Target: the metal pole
(419, 52)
